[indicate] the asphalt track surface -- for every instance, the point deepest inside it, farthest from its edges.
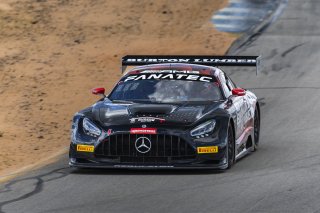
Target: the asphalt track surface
(242, 15)
(282, 176)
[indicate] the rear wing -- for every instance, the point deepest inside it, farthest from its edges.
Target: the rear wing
(130, 61)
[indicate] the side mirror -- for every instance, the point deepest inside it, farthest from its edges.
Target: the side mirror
(98, 91)
(238, 92)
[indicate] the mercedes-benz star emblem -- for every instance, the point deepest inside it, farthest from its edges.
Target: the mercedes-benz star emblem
(143, 145)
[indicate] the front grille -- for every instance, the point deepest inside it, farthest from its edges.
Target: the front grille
(164, 149)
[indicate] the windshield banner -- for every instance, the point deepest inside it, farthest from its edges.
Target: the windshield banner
(170, 76)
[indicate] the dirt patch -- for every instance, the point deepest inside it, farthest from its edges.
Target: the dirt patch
(53, 52)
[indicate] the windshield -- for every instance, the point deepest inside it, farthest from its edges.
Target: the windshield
(166, 91)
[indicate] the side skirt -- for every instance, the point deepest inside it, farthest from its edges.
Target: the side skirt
(240, 142)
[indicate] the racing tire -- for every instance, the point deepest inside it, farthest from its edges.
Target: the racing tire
(230, 148)
(256, 129)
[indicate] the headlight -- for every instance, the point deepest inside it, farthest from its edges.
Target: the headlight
(90, 128)
(203, 129)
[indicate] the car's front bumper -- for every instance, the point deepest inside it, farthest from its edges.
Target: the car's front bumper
(201, 161)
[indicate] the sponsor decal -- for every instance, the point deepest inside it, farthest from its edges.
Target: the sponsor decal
(207, 149)
(170, 76)
(157, 60)
(146, 120)
(150, 131)
(85, 148)
(171, 71)
(192, 60)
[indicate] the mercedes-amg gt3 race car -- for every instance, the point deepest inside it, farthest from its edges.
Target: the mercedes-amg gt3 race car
(169, 112)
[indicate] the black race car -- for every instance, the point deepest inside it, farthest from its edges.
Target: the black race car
(169, 112)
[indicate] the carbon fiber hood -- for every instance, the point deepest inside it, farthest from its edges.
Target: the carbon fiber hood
(108, 113)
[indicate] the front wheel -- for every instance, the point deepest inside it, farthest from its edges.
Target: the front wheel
(231, 145)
